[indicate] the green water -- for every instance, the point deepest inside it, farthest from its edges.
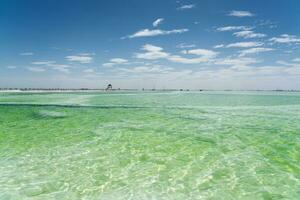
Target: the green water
(151, 145)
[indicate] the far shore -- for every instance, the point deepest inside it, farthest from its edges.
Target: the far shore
(40, 90)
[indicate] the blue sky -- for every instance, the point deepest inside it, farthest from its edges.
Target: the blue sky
(208, 44)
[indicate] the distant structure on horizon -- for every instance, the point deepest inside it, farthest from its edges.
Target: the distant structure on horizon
(109, 87)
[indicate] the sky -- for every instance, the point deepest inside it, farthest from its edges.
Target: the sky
(135, 44)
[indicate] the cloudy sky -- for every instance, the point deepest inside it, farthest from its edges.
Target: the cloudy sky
(196, 44)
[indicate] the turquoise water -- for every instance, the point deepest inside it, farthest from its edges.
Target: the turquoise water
(150, 145)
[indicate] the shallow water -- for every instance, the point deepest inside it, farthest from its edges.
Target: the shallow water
(151, 145)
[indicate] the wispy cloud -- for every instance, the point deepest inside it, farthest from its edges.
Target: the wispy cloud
(158, 22)
(36, 69)
(155, 32)
(292, 68)
(184, 45)
(108, 64)
(42, 62)
(296, 59)
(11, 67)
(58, 67)
(240, 13)
(285, 38)
(249, 34)
(266, 23)
(254, 50)
(291, 64)
(245, 44)
(83, 58)
(89, 71)
(186, 7)
(234, 28)
(237, 62)
(153, 69)
(27, 54)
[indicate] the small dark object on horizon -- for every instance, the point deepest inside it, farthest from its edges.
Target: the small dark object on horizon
(109, 87)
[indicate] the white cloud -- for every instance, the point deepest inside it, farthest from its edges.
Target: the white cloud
(229, 76)
(186, 7)
(36, 69)
(234, 28)
(219, 46)
(154, 52)
(201, 52)
(155, 32)
(285, 38)
(254, 50)
(27, 54)
(81, 58)
(183, 60)
(157, 22)
(245, 44)
(115, 61)
(118, 60)
(149, 47)
(240, 13)
(249, 34)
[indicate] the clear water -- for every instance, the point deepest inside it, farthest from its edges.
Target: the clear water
(151, 145)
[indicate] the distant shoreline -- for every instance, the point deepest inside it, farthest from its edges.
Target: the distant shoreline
(112, 90)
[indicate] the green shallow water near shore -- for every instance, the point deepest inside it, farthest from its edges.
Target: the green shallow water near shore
(151, 145)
